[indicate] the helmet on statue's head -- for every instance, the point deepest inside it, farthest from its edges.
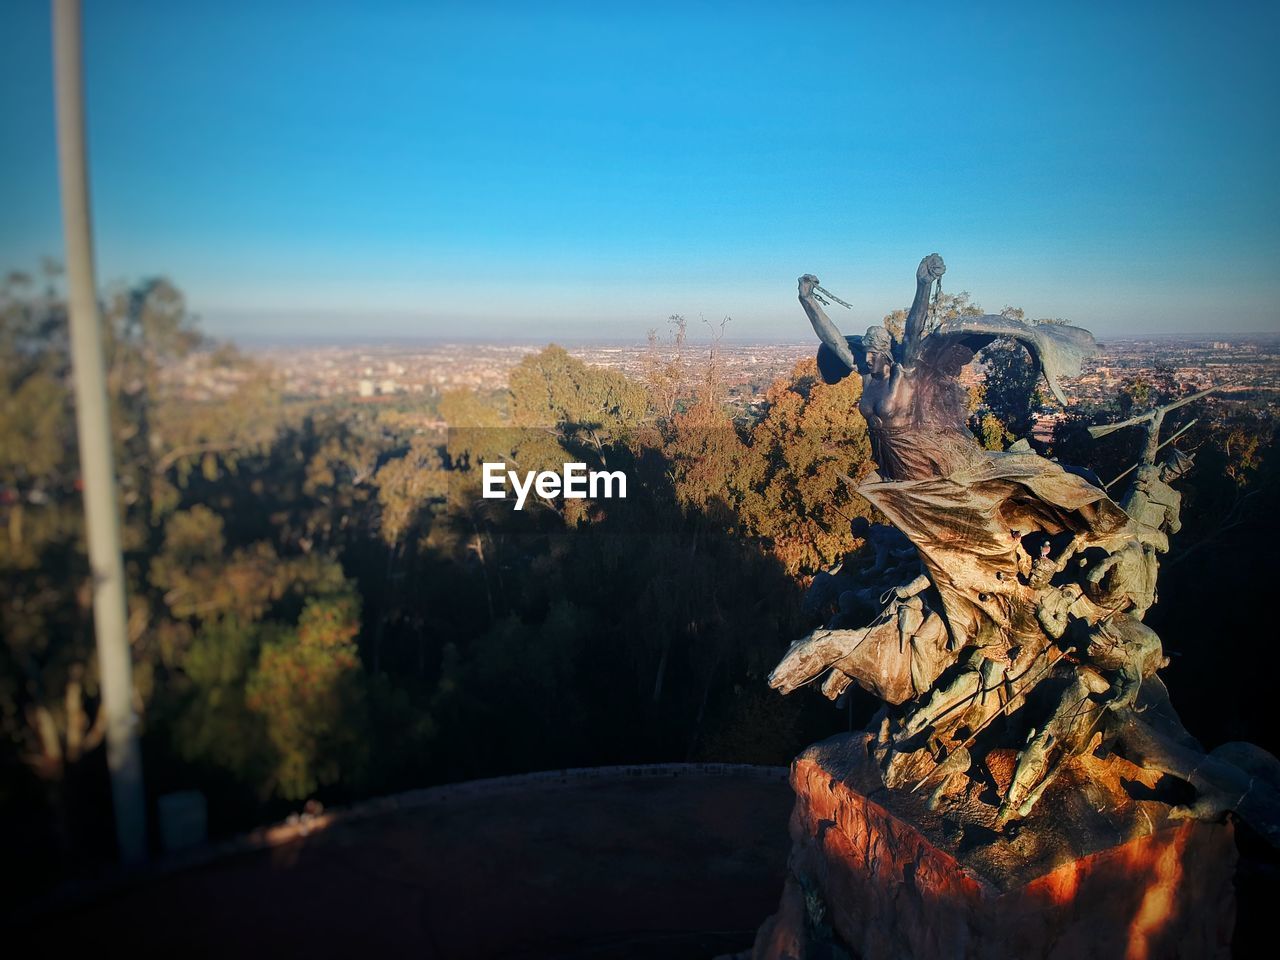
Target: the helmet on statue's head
(1176, 464)
(878, 340)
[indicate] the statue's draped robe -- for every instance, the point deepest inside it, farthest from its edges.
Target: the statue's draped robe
(961, 525)
(959, 503)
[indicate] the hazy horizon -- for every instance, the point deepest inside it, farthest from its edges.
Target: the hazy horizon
(570, 169)
(272, 341)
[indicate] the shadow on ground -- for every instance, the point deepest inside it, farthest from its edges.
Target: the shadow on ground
(675, 867)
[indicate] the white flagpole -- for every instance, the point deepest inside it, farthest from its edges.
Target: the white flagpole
(93, 428)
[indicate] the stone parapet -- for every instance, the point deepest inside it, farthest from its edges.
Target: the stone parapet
(1093, 873)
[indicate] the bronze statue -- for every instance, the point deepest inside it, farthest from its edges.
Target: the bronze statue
(982, 627)
(1151, 501)
(911, 399)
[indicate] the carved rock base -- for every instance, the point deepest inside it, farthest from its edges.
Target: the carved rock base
(1093, 873)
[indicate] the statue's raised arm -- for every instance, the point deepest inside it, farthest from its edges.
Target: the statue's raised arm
(845, 349)
(930, 271)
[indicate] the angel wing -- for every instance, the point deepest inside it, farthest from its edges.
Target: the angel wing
(1056, 349)
(833, 369)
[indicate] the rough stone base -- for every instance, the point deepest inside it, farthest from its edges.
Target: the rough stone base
(1094, 873)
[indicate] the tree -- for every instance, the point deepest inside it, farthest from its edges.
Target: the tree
(991, 431)
(214, 725)
(1011, 390)
(553, 389)
(307, 688)
(409, 487)
(186, 417)
(666, 372)
(792, 485)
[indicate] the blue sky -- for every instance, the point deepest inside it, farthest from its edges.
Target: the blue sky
(549, 170)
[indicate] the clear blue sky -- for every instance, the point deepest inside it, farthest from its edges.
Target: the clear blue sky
(545, 169)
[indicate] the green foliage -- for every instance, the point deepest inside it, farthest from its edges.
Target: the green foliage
(552, 389)
(203, 579)
(1011, 390)
(408, 487)
(307, 689)
(991, 432)
(214, 725)
(210, 584)
(34, 419)
(1243, 448)
(792, 486)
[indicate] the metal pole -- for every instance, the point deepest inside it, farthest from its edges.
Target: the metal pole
(93, 429)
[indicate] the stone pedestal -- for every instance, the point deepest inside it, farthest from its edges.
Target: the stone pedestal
(1098, 871)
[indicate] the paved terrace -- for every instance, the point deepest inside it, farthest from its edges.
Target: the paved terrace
(680, 860)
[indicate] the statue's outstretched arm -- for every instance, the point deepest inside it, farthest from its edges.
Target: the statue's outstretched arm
(930, 269)
(827, 331)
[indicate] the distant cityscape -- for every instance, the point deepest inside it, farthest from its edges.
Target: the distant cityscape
(1245, 368)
